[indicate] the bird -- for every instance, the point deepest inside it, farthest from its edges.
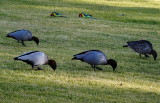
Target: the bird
(23, 35)
(85, 15)
(35, 59)
(95, 57)
(55, 14)
(142, 47)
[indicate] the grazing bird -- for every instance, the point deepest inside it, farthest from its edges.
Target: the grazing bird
(84, 15)
(36, 58)
(23, 35)
(142, 47)
(95, 57)
(55, 14)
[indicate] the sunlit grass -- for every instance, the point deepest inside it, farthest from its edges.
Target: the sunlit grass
(135, 80)
(123, 3)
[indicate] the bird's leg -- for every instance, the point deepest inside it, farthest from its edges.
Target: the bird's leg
(146, 55)
(18, 41)
(98, 68)
(23, 43)
(32, 67)
(93, 66)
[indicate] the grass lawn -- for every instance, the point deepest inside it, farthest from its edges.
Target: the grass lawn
(136, 80)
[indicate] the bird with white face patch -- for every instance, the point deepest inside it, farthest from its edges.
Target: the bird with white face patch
(36, 58)
(95, 57)
(23, 35)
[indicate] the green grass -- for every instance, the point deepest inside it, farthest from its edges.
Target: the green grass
(136, 80)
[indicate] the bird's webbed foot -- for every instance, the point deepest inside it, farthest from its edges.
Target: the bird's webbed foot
(98, 68)
(23, 43)
(38, 68)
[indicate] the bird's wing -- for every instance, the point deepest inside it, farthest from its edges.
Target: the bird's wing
(86, 52)
(28, 53)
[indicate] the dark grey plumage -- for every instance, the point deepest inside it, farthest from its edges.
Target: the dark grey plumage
(23, 35)
(142, 47)
(95, 57)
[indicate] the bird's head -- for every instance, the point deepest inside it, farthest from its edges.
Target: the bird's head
(35, 39)
(52, 64)
(154, 53)
(113, 63)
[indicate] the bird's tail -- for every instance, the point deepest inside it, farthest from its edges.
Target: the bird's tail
(8, 35)
(16, 58)
(125, 45)
(74, 58)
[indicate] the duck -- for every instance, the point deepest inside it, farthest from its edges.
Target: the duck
(23, 35)
(143, 47)
(35, 59)
(94, 58)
